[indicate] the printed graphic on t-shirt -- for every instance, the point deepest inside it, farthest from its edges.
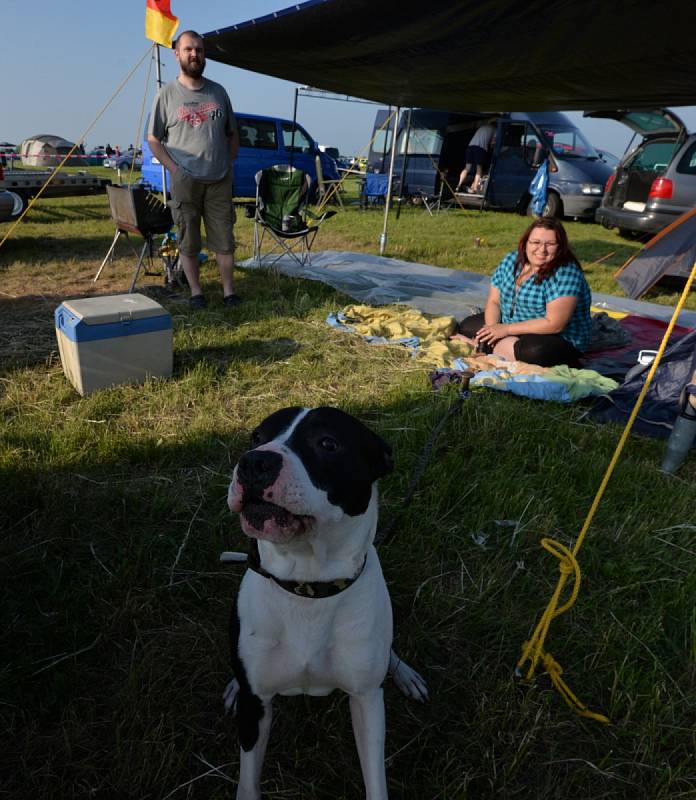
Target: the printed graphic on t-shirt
(197, 113)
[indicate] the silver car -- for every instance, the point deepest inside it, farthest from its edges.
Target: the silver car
(656, 181)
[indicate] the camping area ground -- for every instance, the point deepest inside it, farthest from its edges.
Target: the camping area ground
(115, 606)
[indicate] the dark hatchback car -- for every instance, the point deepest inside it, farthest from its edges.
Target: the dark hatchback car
(656, 181)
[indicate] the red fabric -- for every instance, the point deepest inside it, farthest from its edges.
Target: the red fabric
(646, 334)
(164, 7)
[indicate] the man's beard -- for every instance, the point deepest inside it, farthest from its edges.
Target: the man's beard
(192, 69)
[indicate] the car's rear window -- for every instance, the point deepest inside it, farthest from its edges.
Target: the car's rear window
(653, 156)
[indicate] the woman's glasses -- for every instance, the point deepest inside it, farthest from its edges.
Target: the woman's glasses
(535, 244)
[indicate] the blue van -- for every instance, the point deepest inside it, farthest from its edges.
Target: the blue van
(264, 141)
(434, 145)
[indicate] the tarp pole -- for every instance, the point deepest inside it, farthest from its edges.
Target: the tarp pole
(159, 86)
(404, 164)
(294, 125)
(387, 202)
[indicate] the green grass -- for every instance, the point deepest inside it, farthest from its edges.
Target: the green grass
(115, 606)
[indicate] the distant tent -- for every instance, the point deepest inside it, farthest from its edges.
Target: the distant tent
(47, 150)
(669, 254)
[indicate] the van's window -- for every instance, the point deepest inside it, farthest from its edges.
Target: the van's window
(520, 143)
(300, 143)
(687, 163)
(568, 142)
(259, 133)
(421, 141)
(653, 156)
(382, 142)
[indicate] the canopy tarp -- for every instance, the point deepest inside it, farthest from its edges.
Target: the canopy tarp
(483, 55)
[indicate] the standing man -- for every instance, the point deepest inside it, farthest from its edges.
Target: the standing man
(477, 156)
(193, 132)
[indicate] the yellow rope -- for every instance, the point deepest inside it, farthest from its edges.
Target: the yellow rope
(72, 149)
(533, 650)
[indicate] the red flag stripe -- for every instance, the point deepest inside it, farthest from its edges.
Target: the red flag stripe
(162, 7)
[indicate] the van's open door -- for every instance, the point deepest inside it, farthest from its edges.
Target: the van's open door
(516, 157)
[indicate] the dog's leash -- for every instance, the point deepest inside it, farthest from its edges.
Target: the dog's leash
(385, 535)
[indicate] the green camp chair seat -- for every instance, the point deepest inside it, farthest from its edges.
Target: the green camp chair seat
(281, 216)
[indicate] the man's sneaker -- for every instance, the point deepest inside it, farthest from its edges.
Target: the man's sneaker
(198, 301)
(231, 300)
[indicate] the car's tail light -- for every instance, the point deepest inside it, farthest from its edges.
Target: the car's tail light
(2, 173)
(661, 189)
(609, 183)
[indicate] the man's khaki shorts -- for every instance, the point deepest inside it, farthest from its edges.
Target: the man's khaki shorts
(193, 200)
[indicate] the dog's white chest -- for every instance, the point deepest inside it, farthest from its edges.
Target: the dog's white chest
(294, 645)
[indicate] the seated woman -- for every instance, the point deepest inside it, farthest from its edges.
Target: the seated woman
(538, 306)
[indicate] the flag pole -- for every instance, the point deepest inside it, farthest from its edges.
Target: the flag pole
(159, 86)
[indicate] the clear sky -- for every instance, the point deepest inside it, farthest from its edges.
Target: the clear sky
(61, 62)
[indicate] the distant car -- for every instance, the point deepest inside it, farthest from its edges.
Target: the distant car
(608, 158)
(96, 157)
(656, 181)
(123, 161)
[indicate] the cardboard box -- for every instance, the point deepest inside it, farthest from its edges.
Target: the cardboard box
(109, 340)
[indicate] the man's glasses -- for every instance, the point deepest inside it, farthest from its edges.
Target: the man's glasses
(537, 245)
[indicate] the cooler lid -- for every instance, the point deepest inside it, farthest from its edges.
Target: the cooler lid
(113, 308)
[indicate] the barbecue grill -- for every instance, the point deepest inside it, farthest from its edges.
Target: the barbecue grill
(136, 210)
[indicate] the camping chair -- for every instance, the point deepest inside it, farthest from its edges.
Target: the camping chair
(328, 189)
(282, 216)
(135, 210)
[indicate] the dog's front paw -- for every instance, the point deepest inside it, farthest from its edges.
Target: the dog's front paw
(229, 697)
(407, 679)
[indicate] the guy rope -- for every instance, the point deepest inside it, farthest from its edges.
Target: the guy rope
(533, 651)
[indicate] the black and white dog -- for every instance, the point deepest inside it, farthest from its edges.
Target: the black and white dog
(313, 613)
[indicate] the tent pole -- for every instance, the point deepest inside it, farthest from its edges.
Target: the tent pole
(404, 164)
(294, 125)
(387, 202)
(159, 86)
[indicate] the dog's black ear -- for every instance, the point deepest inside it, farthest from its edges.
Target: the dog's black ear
(384, 463)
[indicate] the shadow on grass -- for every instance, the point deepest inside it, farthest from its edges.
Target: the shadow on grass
(116, 614)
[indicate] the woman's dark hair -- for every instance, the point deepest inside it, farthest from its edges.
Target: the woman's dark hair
(564, 255)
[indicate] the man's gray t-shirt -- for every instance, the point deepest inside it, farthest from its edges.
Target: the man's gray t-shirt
(194, 126)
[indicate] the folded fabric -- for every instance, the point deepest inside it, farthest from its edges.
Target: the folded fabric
(428, 339)
(426, 336)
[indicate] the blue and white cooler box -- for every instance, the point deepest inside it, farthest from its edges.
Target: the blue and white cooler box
(108, 340)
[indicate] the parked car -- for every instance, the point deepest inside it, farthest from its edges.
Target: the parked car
(264, 141)
(124, 160)
(656, 181)
(96, 157)
(433, 144)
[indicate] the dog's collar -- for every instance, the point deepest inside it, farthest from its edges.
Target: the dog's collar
(311, 589)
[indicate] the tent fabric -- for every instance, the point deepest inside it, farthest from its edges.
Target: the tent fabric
(47, 150)
(661, 405)
(671, 253)
(467, 55)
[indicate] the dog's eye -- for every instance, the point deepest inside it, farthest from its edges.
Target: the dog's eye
(255, 439)
(327, 443)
